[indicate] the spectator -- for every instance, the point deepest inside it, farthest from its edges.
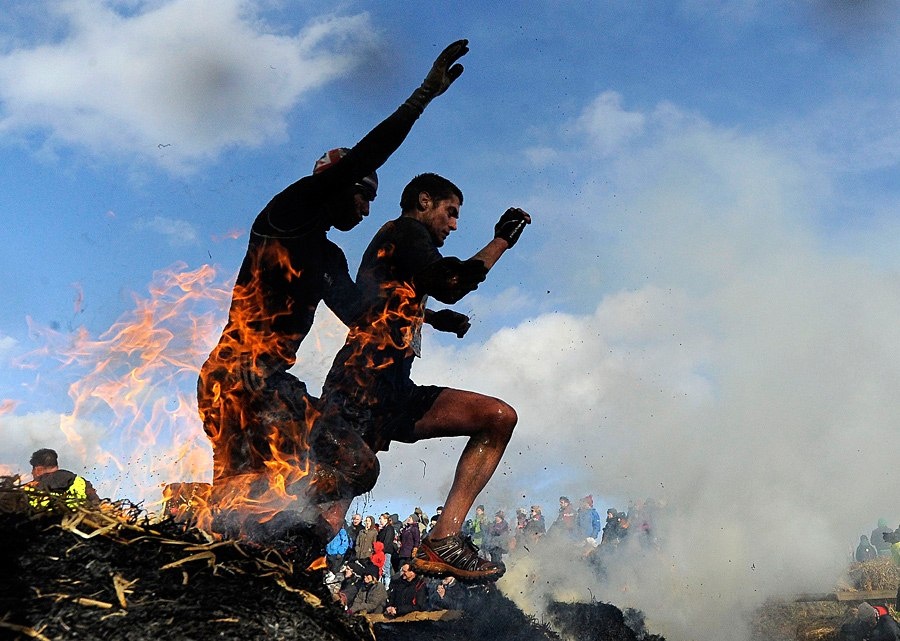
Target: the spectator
(379, 559)
(610, 535)
(336, 549)
(871, 624)
(589, 525)
(434, 519)
(387, 535)
(365, 541)
(352, 581)
(356, 526)
(567, 520)
(497, 541)
(371, 596)
(476, 527)
(877, 538)
(449, 594)
(407, 594)
(422, 521)
(534, 526)
(410, 538)
(865, 551)
(518, 538)
(49, 481)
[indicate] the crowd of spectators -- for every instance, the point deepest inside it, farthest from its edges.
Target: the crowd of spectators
(369, 562)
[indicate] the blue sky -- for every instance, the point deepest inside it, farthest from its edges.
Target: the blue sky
(704, 309)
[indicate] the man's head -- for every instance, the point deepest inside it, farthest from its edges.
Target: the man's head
(43, 462)
(479, 510)
(384, 518)
(348, 207)
(407, 573)
(564, 501)
(356, 519)
(434, 201)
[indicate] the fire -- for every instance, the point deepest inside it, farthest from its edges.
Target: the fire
(132, 408)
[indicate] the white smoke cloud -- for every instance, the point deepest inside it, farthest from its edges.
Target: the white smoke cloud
(738, 370)
(176, 82)
(76, 442)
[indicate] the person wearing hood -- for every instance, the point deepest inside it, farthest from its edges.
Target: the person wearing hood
(865, 551)
(380, 559)
(877, 538)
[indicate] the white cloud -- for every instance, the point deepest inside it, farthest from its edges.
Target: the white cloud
(178, 232)
(607, 124)
(176, 82)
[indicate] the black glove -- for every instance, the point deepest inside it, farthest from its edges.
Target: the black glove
(441, 76)
(449, 279)
(447, 320)
(511, 225)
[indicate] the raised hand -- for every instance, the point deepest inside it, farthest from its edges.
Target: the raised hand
(443, 72)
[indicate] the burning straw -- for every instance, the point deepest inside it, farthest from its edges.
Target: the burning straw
(112, 572)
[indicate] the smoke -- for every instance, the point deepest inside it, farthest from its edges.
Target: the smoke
(736, 368)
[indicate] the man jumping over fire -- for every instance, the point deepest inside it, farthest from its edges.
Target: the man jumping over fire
(369, 386)
(257, 415)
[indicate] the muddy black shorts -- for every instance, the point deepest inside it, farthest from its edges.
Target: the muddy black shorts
(379, 424)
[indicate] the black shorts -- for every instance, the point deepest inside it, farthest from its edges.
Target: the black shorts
(386, 419)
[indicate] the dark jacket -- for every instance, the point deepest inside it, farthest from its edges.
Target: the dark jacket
(408, 596)
(455, 597)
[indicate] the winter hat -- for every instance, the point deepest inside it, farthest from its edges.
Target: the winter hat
(371, 570)
(369, 184)
(867, 614)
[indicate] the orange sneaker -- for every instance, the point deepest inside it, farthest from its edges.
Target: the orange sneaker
(457, 556)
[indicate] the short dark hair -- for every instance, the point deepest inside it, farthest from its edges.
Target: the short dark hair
(438, 187)
(44, 457)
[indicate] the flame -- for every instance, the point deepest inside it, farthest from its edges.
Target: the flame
(255, 415)
(132, 409)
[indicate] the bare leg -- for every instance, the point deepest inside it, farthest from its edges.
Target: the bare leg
(489, 422)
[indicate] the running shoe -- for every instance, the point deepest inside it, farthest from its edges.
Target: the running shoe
(457, 556)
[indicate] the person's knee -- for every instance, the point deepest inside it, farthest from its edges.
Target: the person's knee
(502, 419)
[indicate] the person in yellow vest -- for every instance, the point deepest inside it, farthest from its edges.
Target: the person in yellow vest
(48, 481)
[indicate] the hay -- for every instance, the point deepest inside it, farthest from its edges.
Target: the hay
(878, 574)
